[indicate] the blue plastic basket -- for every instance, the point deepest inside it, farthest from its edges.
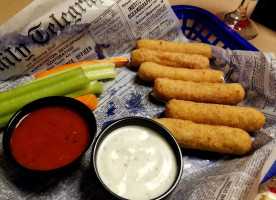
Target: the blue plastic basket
(200, 25)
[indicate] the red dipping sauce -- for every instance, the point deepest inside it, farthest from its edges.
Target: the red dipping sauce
(49, 138)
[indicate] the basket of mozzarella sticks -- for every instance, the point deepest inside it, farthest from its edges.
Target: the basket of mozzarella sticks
(201, 110)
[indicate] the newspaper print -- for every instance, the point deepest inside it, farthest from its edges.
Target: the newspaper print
(112, 31)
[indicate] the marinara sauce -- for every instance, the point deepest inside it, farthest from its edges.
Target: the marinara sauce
(49, 138)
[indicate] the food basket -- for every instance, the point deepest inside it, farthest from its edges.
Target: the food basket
(200, 25)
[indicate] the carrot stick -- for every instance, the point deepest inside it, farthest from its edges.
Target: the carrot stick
(90, 100)
(119, 62)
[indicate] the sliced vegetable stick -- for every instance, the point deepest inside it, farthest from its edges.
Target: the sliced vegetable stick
(119, 62)
(95, 87)
(220, 139)
(167, 89)
(90, 100)
(93, 72)
(101, 74)
(149, 71)
(5, 119)
(173, 59)
(176, 46)
(60, 84)
(246, 118)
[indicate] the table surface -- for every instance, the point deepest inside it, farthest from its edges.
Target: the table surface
(265, 41)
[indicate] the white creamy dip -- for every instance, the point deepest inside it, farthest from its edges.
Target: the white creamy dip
(135, 162)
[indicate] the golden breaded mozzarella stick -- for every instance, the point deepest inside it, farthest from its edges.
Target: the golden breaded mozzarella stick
(176, 46)
(167, 89)
(173, 59)
(246, 118)
(149, 71)
(220, 139)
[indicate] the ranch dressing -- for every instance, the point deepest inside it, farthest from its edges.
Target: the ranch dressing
(135, 162)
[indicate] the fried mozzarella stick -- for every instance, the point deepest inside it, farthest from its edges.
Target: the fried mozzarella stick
(246, 118)
(173, 59)
(166, 89)
(176, 46)
(149, 71)
(220, 139)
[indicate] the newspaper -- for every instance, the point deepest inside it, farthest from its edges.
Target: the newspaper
(50, 33)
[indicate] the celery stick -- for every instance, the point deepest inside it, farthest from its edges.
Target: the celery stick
(5, 119)
(101, 74)
(12, 100)
(98, 66)
(95, 87)
(86, 68)
(52, 85)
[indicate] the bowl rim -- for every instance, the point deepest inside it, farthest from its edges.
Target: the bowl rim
(142, 121)
(62, 101)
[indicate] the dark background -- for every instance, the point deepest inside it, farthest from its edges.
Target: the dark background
(265, 13)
